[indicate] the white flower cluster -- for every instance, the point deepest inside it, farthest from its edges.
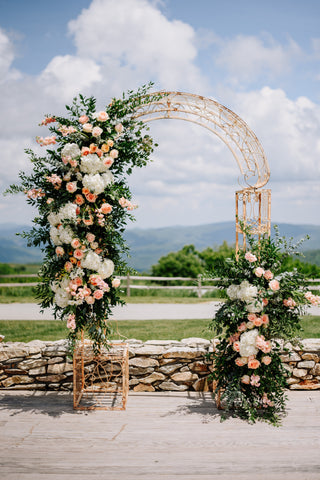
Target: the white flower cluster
(61, 297)
(71, 150)
(61, 235)
(97, 183)
(66, 212)
(248, 343)
(93, 164)
(246, 293)
(104, 267)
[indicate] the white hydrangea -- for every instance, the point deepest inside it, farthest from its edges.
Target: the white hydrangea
(247, 292)
(68, 212)
(107, 178)
(106, 268)
(53, 219)
(66, 234)
(248, 343)
(94, 183)
(62, 297)
(55, 237)
(71, 150)
(233, 291)
(92, 261)
(91, 164)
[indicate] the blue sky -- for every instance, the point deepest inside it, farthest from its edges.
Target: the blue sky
(260, 59)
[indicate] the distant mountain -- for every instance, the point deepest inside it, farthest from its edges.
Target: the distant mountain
(148, 245)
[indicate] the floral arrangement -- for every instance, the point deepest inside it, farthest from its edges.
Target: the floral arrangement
(262, 308)
(84, 203)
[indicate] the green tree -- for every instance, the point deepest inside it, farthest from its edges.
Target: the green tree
(184, 263)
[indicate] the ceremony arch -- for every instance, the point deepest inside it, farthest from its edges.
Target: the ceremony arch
(253, 204)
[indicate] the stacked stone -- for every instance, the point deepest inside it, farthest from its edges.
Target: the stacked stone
(154, 365)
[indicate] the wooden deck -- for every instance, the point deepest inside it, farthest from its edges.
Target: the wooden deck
(159, 437)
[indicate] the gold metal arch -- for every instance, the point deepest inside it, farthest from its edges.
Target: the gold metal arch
(253, 206)
(229, 127)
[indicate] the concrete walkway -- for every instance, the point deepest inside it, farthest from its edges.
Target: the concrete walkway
(159, 437)
(131, 311)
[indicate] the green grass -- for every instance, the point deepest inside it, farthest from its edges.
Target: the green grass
(25, 331)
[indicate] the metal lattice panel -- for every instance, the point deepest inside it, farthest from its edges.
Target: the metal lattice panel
(232, 130)
(100, 381)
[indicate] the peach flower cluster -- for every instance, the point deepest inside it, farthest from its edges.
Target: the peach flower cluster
(46, 141)
(313, 299)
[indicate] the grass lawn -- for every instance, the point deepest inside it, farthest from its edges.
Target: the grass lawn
(25, 331)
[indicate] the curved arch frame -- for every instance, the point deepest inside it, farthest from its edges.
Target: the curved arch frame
(228, 126)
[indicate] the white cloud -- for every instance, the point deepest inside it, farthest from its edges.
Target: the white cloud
(134, 34)
(6, 54)
(247, 57)
(66, 76)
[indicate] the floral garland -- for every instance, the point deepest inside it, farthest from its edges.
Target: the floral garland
(84, 203)
(263, 306)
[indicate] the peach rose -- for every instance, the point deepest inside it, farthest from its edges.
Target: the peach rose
(265, 319)
(90, 237)
(250, 257)
(241, 361)
(105, 148)
(259, 272)
(119, 128)
(252, 317)
(107, 162)
(114, 153)
(268, 275)
(245, 379)
(102, 116)
(71, 187)
(236, 346)
(274, 285)
(68, 266)
(90, 300)
(87, 127)
(88, 221)
(83, 119)
(258, 322)
(78, 254)
(79, 199)
(242, 327)
(59, 251)
(253, 363)
(106, 208)
(85, 151)
(265, 302)
(266, 359)
(91, 197)
(116, 282)
(98, 294)
(75, 243)
(96, 131)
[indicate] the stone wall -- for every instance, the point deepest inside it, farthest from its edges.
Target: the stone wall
(153, 366)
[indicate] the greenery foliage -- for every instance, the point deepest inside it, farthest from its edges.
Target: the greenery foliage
(263, 307)
(80, 191)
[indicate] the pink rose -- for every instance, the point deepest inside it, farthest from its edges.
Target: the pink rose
(252, 317)
(68, 266)
(274, 285)
(102, 116)
(98, 294)
(245, 379)
(254, 380)
(83, 119)
(119, 128)
(266, 360)
(289, 303)
(59, 251)
(250, 257)
(107, 162)
(254, 363)
(268, 275)
(71, 321)
(71, 187)
(259, 272)
(96, 131)
(110, 143)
